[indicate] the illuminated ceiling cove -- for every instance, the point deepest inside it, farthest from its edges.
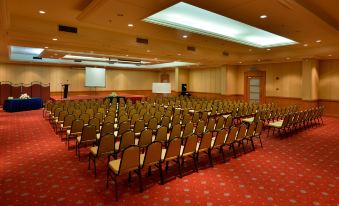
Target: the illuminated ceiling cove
(190, 18)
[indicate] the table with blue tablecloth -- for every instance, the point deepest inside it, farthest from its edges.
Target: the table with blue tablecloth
(16, 105)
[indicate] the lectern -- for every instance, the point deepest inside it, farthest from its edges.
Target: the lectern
(65, 86)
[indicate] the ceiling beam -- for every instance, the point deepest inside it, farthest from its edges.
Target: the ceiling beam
(94, 5)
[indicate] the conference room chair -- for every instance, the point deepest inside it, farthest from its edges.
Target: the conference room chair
(77, 113)
(230, 139)
(279, 125)
(152, 157)
(158, 116)
(161, 135)
(165, 122)
(138, 127)
(188, 149)
(172, 153)
(204, 116)
(59, 120)
(241, 136)
(110, 118)
(75, 130)
(55, 115)
(147, 116)
(175, 132)
(249, 134)
(135, 117)
(47, 109)
(67, 123)
(218, 142)
(126, 140)
(176, 120)
(129, 162)
(105, 147)
(257, 133)
(219, 125)
(88, 136)
(204, 146)
(100, 116)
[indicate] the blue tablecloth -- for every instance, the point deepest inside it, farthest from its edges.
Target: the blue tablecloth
(16, 105)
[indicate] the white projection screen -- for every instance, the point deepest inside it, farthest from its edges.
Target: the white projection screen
(162, 88)
(95, 77)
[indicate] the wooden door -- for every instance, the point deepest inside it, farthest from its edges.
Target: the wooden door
(255, 86)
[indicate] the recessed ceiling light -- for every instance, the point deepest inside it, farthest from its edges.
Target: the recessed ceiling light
(46, 47)
(42, 12)
(268, 49)
(184, 36)
(155, 58)
(55, 39)
(263, 16)
(126, 55)
(318, 41)
(287, 58)
(330, 55)
(179, 54)
(250, 50)
(259, 60)
(130, 25)
(148, 50)
(305, 44)
(240, 62)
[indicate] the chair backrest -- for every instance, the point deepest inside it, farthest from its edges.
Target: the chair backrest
(259, 128)
(190, 145)
(173, 149)
(77, 125)
(96, 122)
(176, 120)
(139, 126)
(188, 130)
(251, 128)
(200, 128)
(196, 117)
(229, 122)
(220, 123)
(204, 116)
(85, 117)
(165, 121)
(232, 134)
(186, 119)
(206, 141)
(123, 118)
(106, 144)
(147, 117)
(210, 124)
(62, 115)
(126, 140)
(220, 138)
(100, 116)
(152, 154)
(242, 132)
(68, 120)
(107, 128)
(145, 137)
(153, 124)
(109, 119)
(130, 159)
(134, 118)
(88, 134)
(161, 135)
(176, 131)
(123, 127)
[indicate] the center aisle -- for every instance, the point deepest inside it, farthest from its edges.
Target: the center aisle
(37, 169)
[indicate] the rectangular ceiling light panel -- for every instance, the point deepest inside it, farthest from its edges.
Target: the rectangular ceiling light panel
(190, 18)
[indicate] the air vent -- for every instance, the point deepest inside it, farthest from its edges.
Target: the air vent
(68, 29)
(190, 48)
(38, 58)
(225, 53)
(142, 41)
(77, 60)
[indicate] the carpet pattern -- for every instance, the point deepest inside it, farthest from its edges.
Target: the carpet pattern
(37, 169)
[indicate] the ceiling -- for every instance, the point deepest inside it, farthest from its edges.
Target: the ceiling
(103, 30)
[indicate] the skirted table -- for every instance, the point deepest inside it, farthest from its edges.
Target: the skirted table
(16, 105)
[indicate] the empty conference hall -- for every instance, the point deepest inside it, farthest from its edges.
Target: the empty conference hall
(166, 102)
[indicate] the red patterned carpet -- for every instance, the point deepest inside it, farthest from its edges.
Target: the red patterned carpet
(37, 169)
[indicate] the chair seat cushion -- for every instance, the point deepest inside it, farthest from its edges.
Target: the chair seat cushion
(114, 165)
(249, 120)
(276, 124)
(94, 150)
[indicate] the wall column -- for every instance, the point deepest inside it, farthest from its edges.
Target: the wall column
(310, 79)
(176, 79)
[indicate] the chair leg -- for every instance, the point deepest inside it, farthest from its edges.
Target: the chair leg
(166, 168)
(210, 157)
(222, 154)
(252, 142)
(89, 161)
(161, 175)
(260, 141)
(234, 154)
(149, 173)
(195, 159)
(95, 167)
(243, 147)
(129, 177)
(140, 180)
(179, 167)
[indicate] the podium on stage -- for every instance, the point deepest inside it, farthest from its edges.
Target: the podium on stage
(65, 86)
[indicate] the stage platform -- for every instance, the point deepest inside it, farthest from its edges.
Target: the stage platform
(133, 97)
